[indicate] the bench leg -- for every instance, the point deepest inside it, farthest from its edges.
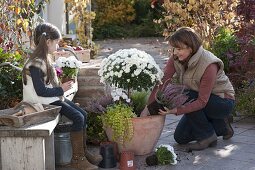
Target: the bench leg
(22, 153)
(50, 152)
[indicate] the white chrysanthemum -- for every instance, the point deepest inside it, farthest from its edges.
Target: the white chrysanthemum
(60, 62)
(129, 64)
(171, 149)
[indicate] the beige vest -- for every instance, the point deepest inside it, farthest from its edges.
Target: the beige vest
(29, 93)
(196, 68)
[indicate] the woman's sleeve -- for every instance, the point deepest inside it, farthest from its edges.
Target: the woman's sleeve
(205, 89)
(39, 85)
(169, 71)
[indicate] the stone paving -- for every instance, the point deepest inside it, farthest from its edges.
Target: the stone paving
(234, 154)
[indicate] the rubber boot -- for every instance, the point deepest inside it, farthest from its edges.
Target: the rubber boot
(230, 131)
(95, 159)
(203, 144)
(79, 161)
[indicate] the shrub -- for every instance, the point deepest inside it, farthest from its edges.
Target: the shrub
(225, 46)
(10, 80)
(204, 16)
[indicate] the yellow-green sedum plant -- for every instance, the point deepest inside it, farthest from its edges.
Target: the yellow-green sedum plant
(118, 118)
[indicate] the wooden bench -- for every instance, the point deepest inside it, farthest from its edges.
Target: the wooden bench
(29, 148)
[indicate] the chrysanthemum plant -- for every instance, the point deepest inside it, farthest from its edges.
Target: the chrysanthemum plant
(126, 71)
(67, 68)
(129, 70)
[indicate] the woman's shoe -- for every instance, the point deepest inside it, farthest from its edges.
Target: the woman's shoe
(230, 131)
(203, 144)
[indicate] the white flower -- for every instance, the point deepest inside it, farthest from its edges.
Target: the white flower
(71, 62)
(69, 65)
(130, 69)
(118, 93)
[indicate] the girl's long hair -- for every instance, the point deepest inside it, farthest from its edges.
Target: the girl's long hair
(42, 33)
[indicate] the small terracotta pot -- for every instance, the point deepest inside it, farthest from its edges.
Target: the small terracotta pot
(66, 79)
(127, 160)
(107, 152)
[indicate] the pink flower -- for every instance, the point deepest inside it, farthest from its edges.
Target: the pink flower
(59, 71)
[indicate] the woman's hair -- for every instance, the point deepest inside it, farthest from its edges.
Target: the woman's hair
(42, 33)
(185, 36)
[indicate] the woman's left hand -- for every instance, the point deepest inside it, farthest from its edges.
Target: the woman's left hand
(167, 111)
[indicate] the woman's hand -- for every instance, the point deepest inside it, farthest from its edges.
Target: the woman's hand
(167, 111)
(67, 85)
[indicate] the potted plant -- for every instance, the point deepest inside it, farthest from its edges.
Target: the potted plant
(118, 119)
(164, 155)
(171, 96)
(67, 68)
(95, 108)
(128, 71)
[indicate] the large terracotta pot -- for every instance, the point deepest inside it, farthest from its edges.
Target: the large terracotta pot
(147, 131)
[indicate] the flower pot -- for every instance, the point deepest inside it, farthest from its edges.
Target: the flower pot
(66, 79)
(108, 154)
(63, 148)
(127, 161)
(147, 131)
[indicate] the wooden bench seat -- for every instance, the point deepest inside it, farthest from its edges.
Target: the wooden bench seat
(29, 148)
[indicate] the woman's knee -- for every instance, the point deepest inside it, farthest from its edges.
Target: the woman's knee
(179, 138)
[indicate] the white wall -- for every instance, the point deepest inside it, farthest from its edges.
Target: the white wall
(55, 13)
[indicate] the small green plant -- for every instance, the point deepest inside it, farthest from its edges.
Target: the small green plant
(118, 118)
(164, 155)
(95, 131)
(139, 100)
(95, 108)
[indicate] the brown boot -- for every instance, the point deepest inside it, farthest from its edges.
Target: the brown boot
(79, 161)
(203, 144)
(230, 131)
(95, 159)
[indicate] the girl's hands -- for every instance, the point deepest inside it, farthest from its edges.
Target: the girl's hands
(67, 85)
(168, 111)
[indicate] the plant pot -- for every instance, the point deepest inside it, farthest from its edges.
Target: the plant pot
(154, 107)
(151, 160)
(127, 161)
(66, 79)
(63, 148)
(147, 131)
(108, 154)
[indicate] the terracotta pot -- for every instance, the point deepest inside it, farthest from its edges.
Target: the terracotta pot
(66, 79)
(127, 161)
(147, 131)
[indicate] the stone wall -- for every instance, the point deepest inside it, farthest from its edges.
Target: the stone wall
(89, 85)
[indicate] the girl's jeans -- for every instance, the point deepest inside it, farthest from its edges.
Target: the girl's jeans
(203, 123)
(74, 113)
